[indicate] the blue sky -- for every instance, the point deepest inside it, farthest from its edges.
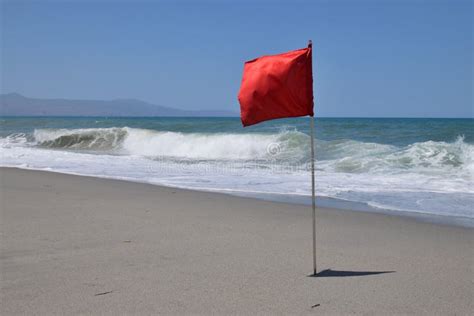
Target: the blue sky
(382, 59)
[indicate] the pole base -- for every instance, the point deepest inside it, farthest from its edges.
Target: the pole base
(313, 275)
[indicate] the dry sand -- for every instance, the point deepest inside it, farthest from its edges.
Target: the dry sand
(73, 244)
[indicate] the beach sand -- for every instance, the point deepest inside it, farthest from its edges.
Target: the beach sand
(72, 244)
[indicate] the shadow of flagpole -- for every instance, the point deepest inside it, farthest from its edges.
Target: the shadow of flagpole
(345, 273)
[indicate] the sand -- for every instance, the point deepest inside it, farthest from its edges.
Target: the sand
(80, 245)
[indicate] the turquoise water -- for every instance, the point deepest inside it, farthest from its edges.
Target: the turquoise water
(412, 166)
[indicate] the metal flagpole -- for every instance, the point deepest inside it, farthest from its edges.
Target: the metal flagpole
(313, 198)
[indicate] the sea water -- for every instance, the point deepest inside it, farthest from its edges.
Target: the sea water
(404, 166)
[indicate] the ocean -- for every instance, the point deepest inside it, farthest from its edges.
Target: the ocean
(413, 167)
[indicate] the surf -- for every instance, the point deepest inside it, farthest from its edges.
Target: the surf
(425, 176)
(287, 145)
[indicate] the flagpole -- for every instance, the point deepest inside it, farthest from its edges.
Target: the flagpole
(313, 189)
(313, 197)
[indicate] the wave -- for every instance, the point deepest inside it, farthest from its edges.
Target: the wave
(151, 143)
(435, 157)
(285, 146)
(90, 138)
(210, 146)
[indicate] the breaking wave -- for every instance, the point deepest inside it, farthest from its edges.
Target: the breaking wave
(437, 157)
(347, 156)
(153, 143)
(88, 139)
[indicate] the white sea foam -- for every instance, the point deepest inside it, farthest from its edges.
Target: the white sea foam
(197, 146)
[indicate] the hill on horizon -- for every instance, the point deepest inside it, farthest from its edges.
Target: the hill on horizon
(15, 104)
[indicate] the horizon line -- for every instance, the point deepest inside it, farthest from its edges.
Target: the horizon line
(170, 116)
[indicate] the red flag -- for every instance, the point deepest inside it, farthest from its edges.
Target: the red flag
(277, 86)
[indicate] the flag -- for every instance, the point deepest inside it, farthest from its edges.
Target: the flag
(277, 86)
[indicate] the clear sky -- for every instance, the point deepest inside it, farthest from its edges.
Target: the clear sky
(371, 58)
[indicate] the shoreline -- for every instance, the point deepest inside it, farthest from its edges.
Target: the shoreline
(352, 206)
(321, 201)
(74, 244)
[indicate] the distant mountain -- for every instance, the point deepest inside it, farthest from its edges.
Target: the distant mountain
(14, 104)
